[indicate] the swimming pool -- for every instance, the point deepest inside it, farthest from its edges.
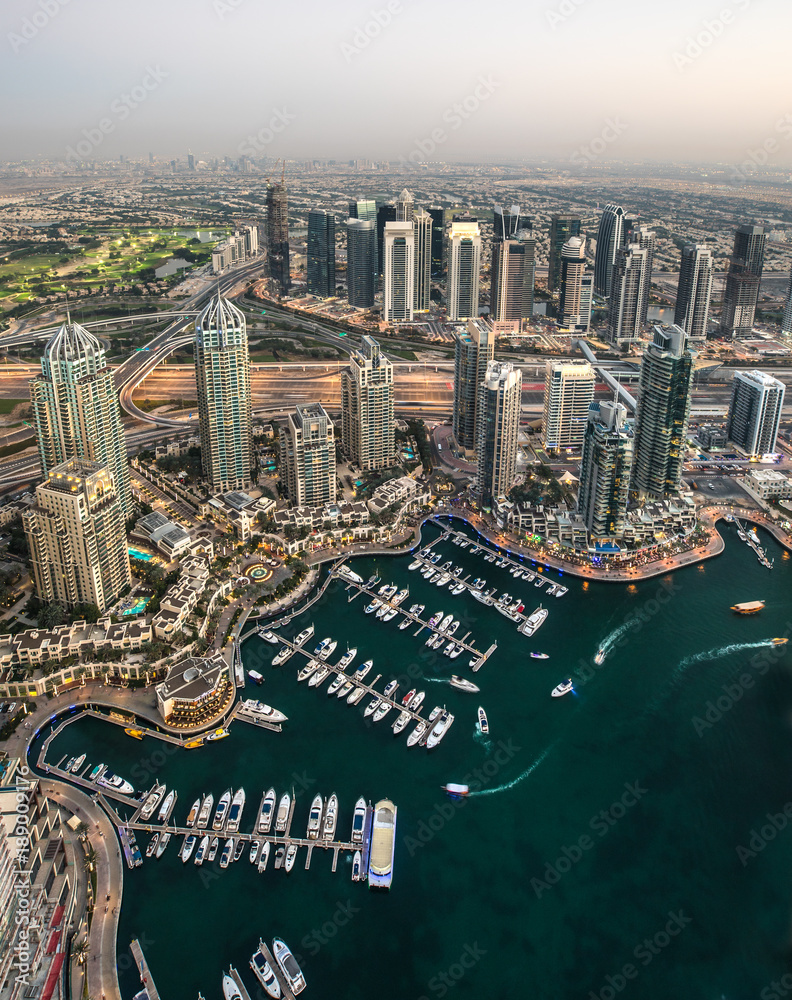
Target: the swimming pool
(137, 554)
(137, 607)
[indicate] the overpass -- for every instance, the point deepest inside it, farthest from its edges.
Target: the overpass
(628, 399)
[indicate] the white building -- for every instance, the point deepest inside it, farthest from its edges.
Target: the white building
(755, 412)
(769, 484)
(367, 418)
(569, 391)
(464, 270)
(399, 264)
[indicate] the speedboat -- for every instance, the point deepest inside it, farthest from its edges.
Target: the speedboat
(205, 812)
(330, 818)
(408, 697)
(235, 812)
(163, 843)
(419, 610)
(417, 733)
(383, 611)
(213, 849)
(457, 651)
(187, 847)
(560, 591)
(456, 791)
(218, 734)
(563, 688)
(266, 812)
(228, 853)
(282, 817)
(540, 656)
(400, 596)
(435, 619)
(263, 972)
(315, 818)
(463, 684)
(78, 763)
(483, 721)
(442, 580)
(357, 867)
(779, 642)
(264, 856)
(166, 807)
(370, 608)
(401, 721)
(137, 734)
(599, 659)
(291, 854)
(221, 811)
(389, 615)
(361, 672)
(203, 848)
(539, 582)
(390, 689)
(358, 820)
(152, 845)
(69, 764)
(291, 970)
(414, 564)
(404, 623)
(458, 589)
(254, 849)
(452, 628)
(230, 989)
(328, 650)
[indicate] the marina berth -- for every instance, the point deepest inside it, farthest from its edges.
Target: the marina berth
(266, 812)
(282, 816)
(263, 972)
(383, 840)
(288, 965)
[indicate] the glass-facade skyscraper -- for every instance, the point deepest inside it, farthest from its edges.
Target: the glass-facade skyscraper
(743, 280)
(278, 267)
(562, 228)
(320, 264)
(610, 237)
(361, 262)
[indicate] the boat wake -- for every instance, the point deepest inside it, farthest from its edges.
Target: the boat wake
(437, 680)
(716, 654)
(520, 777)
(483, 739)
(609, 642)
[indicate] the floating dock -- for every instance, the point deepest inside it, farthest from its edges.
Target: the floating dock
(145, 972)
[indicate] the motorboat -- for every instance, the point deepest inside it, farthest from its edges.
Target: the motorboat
(213, 846)
(266, 812)
(203, 849)
(166, 807)
(417, 733)
(288, 964)
(357, 867)
(137, 734)
(187, 847)
(358, 820)
(539, 582)
(205, 812)
(235, 812)
(280, 854)
(308, 669)
(69, 764)
(560, 591)
(456, 651)
(115, 783)
(417, 701)
(228, 853)
(361, 672)
(256, 677)
(445, 623)
(269, 637)
(383, 611)
(257, 711)
(483, 722)
(436, 619)
(389, 615)
(230, 989)
(779, 642)
(539, 656)
(305, 634)
(239, 847)
(414, 564)
(347, 658)
(748, 607)
(356, 695)
(563, 688)
(463, 684)
(291, 854)
(483, 598)
(152, 845)
(439, 729)
(263, 972)
(164, 840)
(218, 734)
(328, 650)
(345, 689)
(382, 711)
(404, 623)
(390, 689)
(455, 791)
(315, 818)
(282, 817)
(152, 800)
(282, 656)
(336, 683)
(400, 597)
(372, 706)
(254, 850)
(452, 628)
(459, 588)
(78, 763)
(323, 645)
(263, 857)
(534, 621)
(372, 607)
(408, 697)
(319, 677)
(599, 659)
(222, 810)
(330, 818)
(401, 721)
(442, 580)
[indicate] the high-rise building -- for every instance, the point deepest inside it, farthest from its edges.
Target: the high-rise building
(367, 421)
(361, 262)
(278, 267)
(75, 407)
(662, 416)
(422, 232)
(464, 268)
(574, 298)
(307, 451)
(405, 207)
(507, 222)
(646, 239)
(513, 277)
(497, 430)
(473, 351)
(610, 237)
(743, 280)
(563, 226)
(385, 214)
(363, 209)
(438, 238)
(569, 391)
(222, 378)
(75, 532)
(320, 264)
(696, 273)
(399, 287)
(755, 412)
(605, 470)
(786, 325)
(629, 294)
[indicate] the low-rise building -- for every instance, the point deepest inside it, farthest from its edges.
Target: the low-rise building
(769, 484)
(711, 436)
(403, 491)
(36, 646)
(178, 602)
(195, 691)
(170, 538)
(237, 511)
(330, 516)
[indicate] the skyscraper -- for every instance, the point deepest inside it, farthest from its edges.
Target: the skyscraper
(367, 421)
(473, 351)
(629, 294)
(222, 378)
(513, 276)
(75, 407)
(569, 391)
(497, 430)
(385, 213)
(605, 470)
(507, 221)
(363, 209)
(422, 231)
(755, 412)
(438, 238)
(562, 227)
(662, 416)
(307, 451)
(278, 238)
(742, 281)
(786, 325)
(405, 207)
(610, 237)
(320, 264)
(574, 309)
(696, 273)
(646, 239)
(361, 262)
(76, 536)
(399, 289)
(464, 268)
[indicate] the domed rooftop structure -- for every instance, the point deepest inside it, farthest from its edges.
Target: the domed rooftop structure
(72, 346)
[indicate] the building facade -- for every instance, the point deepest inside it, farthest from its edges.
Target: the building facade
(742, 281)
(513, 276)
(405, 207)
(464, 270)
(755, 412)
(278, 266)
(662, 416)
(367, 420)
(222, 378)
(696, 274)
(399, 285)
(786, 325)
(320, 262)
(308, 458)
(605, 471)
(569, 392)
(362, 267)
(75, 532)
(422, 233)
(574, 296)
(563, 226)
(473, 351)
(75, 407)
(497, 431)
(629, 299)
(610, 238)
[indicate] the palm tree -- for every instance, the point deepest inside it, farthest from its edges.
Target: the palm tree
(80, 951)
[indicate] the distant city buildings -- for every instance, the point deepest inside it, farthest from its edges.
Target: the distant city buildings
(569, 392)
(76, 535)
(399, 280)
(575, 287)
(662, 416)
(497, 431)
(605, 471)
(222, 377)
(696, 274)
(367, 419)
(610, 238)
(320, 260)
(786, 325)
(362, 268)
(755, 412)
(473, 350)
(278, 267)
(405, 207)
(75, 407)
(464, 268)
(384, 214)
(563, 226)
(242, 246)
(438, 241)
(513, 276)
(742, 281)
(308, 457)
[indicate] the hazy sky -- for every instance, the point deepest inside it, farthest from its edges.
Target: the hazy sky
(568, 79)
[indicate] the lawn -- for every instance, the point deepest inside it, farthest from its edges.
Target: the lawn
(7, 405)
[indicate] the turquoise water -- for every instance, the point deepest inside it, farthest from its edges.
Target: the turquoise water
(137, 554)
(602, 821)
(137, 607)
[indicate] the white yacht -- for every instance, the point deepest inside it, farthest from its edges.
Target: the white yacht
(361, 672)
(358, 820)
(308, 669)
(382, 711)
(347, 658)
(230, 989)
(163, 843)
(282, 656)
(254, 850)
(463, 684)
(203, 848)
(266, 812)
(345, 689)
(113, 781)
(187, 847)
(417, 733)
(291, 854)
(228, 853)
(282, 817)
(222, 810)
(401, 721)
(205, 812)
(483, 721)
(330, 818)
(167, 806)
(357, 867)
(235, 812)
(263, 857)
(326, 652)
(291, 970)
(257, 711)
(533, 621)
(372, 706)
(305, 634)
(152, 800)
(317, 679)
(336, 683)
(356, 695)
(445, 623)
(563, 688)
(390, 689)
(315, 818)
(263, 972)
(322, 645)
(439, 729)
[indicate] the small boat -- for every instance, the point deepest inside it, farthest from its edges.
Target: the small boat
(414, 564)
(193, 744)
(152, 845)
(417, 734)
(382, 711)
(455, 791)
(222, 810)
(748, 608)
(235, 812)
(389, 615)
(137, 734)
(315, 818)
(561, 689)
(404, 623)
(203, 849)
(357, 867)
(291, 854)
(282, 817)
(218, 734)
(330, 818)
(463, 684)
(279, 856)
(358, 820)
(328, 650)
(213, 849)
(269, 637)
(187, 847)
(164, 840)
(264, 856)
(69, 764)
(408, 697)
(78, 763)
(205, 812)
(417, 701)
(779, 642)
(599, 659)
(254, 850)
(166, 807)
(540, 656)
(390, 689)
(228, 853)
(539, 582)
(230, 989)
(266, 812)
(435, 619)
(291, 970)
(239, 847)
(263, 972)
(192, 815)
(483, 721)
(255, 676)
(281, 656)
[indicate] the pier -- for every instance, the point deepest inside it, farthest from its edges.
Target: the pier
(285, 991)
(145, 972)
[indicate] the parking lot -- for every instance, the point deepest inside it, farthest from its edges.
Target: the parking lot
(719, 487)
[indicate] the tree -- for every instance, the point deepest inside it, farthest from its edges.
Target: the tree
(51, 615)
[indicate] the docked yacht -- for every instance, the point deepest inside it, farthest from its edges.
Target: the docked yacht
(336, 683)
(213, 849)
(356, 695)
(390, 689)
(291, 854)
(401, 721)
(442, 580)
(408, 697)
(445, 623)
(203, 849)
(304, 635)
(417, 733)
(263, 857)
(282, 817)
(254, 850)
(414, 564)
(457, 589)
(452, 628)
(400, 596)
(205, 812)
(345, 689)
(563, 688)
(164, 840)
(116, 783)
(358, 819)
(187, 847)
(222, 810)
(483, 722)
(315, 818)
(266, 812)
(330, 818)
(322, 645)
(319, 677)
(439, 729)
(389, 615)
(357, 867)
(152, 800)
(361, 672)
(282, 656)
(534, 621)
(436, 619)
(263, 972)
(405, 623)
(463, 684)
(560, 591)
(347, 658)
(235, 812)
(230, 989)
(483, 598)
(372, 706)
(307, 670)
(382, 711)
(218, 734)
(372, 607)
(78, 763)
(269, 637)
(166, 807)
(152, 845)
(257, 711)
(291, 970)
(239, 847)
(228, 853)
(328, 650)
(416, 702)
